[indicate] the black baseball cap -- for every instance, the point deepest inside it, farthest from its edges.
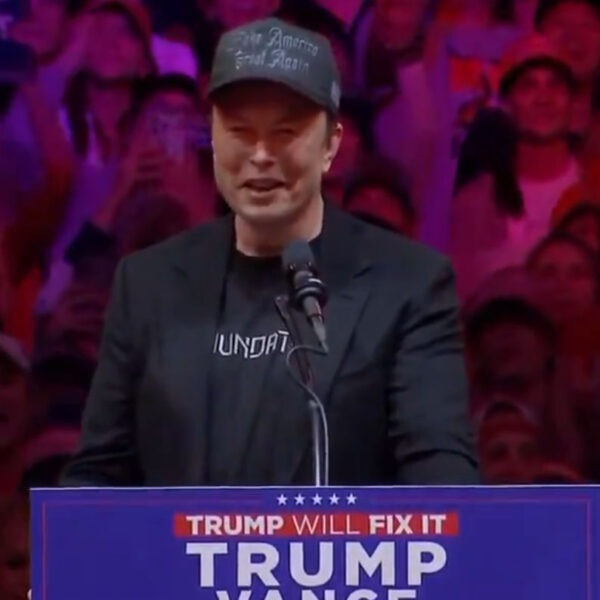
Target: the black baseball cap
(276, 51)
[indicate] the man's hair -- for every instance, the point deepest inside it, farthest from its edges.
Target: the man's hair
(381, 174)
(511, 310)
(146, 89)
(560, 237)
(545, 7)
(73, 7)
(577, 212)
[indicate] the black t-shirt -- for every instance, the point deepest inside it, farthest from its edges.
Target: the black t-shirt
(249, 350)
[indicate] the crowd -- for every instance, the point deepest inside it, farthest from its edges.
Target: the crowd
(472, 126)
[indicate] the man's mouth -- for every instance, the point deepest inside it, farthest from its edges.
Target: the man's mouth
(263, 184)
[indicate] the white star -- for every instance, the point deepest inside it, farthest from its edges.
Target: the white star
(299, 499)
(334, 499)
(317, 499)
(351, 499)
(281, 500)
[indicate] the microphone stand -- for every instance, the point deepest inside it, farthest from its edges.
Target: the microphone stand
(317, 414)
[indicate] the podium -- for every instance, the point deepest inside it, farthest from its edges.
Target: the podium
(456, 543)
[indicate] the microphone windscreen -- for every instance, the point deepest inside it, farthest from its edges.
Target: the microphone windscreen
(297, 255)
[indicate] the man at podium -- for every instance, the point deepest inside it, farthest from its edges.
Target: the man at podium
(192, 388)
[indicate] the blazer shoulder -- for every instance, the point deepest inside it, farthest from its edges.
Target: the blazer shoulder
(398, 255)
(174, 248)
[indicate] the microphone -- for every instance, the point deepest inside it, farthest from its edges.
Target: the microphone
(307, 291)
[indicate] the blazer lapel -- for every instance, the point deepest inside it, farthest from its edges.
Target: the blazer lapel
(203, 263)
(343, 270)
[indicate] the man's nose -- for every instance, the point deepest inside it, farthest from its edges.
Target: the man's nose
(261, 155)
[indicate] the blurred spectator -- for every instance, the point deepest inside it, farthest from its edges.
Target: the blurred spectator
(332, 19)
(512, 350)
(14, 548)
(73, 328)
(567, 275)
(15, 414)
(355, 143)
(98, 98)
(57, 34)
(581, 364)
(164, 184)
(46, 455)
(508, 444)
(347, 12)
(29, 219)
(574, 27)
(378, 195)
(508, 209)
(393, 74)
(583, 223)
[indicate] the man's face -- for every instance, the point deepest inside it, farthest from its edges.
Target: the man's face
(574, 27)
(271, 148)
(233, 13)
(566, 280)
(510, 363)
(13, 405)
(399, 22)
(509, 455)
(115, 51)
(540, 103)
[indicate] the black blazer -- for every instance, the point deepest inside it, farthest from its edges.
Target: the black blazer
(393, 384)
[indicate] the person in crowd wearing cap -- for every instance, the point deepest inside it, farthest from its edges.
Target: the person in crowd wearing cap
(536, 89)
(513, 351)
(574, 27)
(14, 412)
(191, 386)
(508, 444)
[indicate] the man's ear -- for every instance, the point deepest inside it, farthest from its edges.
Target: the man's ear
(333, 145)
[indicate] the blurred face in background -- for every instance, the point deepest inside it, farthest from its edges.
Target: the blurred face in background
(14, 552)
(540, 103)
(75, 325)
(271, 148)
(574, 27)
(586, 228)
(232, 13)
(566, 280)
(14, 411)
(510, 362)
(378, 204)
(508, 450)
(47, 26)
(116, 50)
(398, 23)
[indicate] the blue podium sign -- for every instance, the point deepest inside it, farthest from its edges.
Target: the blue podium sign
(316, 544)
